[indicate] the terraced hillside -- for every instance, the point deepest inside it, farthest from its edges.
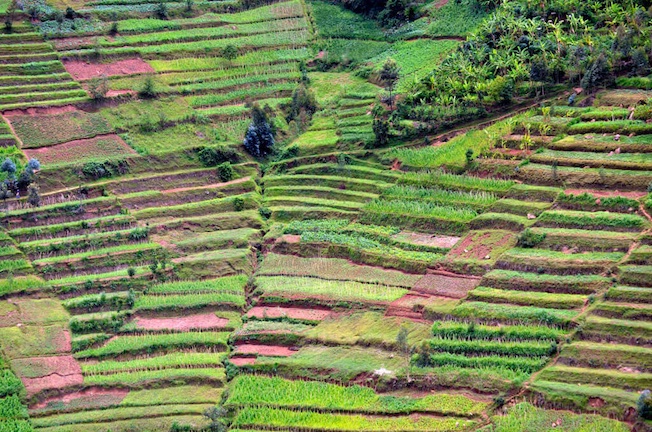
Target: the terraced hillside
(158, 274)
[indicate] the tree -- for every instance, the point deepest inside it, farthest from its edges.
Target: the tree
(33, 165)
(24, 179)
(229, 52)
(216, 415)
(381, 131)
(404, 348)
(189, 5)
(225, 171)
(148, 90)
(161, 11)
(9, 167)
(389, 75)
(303, 104)
(644, 405)
(70, 13)
(9, 21)
(5, 194)
(259, 140)
(113, 30)
(34, 197)
(98, 87)
(598, 73)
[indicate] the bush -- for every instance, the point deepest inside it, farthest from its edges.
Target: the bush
(644, 405)
(213, 156)
(98, 87)
(148, 90)
(259, 140)
(238, 204)
(265, 212)
(529, 239)
(225, 171)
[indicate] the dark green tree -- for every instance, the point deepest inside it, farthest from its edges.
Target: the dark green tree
(389, 76)
(259, 139)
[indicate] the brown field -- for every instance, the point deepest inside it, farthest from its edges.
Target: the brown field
(105, 146)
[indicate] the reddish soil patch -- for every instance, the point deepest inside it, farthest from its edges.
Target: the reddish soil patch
(264, 350)
(289, 238)
(43, 366)
(210, 186)
(54, 381)
(56, 373)
(81, 150)
(605, 193)
(67, 44)
(427, 239)
(199, 321)
(473, 246)
(81, 70)
(446, 286)
(95, 397)
(241, 361)
(63, 342)
(514, 152)
(409, 306)
(114, 93)
(441, 3)
(294, 313)
(37, 111)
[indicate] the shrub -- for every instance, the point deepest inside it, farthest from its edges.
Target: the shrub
(259, 140)
(225, 171)
(265, 212)
(238, 204)
(229, 52)
(161, 11)
(529, 239)
(148, 90)
(644, 405)
(212, 156)
(98, 87)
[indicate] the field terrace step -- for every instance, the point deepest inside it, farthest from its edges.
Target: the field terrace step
(620, 161)
(575, 375)
(294, 395)
(173, 197)
(601, 220)
(477, 252)
(623, 293)
(598, 143)
(73, 229)
(564, 239)
(626, 358)
(100, 260)
(527, 281)
(62, 213)
(608, 400)
(560, 263)
(342, 182)
(200, 208)
(123, 418)
(192, 178)
(617, 330)
(542, 174)
(67, 245)
(311, 292)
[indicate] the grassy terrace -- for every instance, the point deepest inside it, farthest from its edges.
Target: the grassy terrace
(173, 280)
